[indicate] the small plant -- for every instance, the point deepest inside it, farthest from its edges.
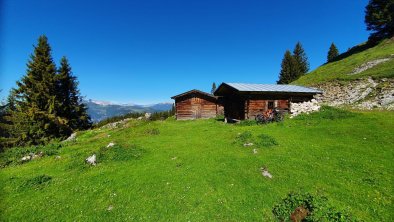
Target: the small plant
(37, 182)
(154, 131)
(266, 140)
(308, 207)
(244, 137)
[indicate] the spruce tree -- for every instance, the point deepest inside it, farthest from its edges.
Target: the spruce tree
(288, 68)
(379, 18)
(34, 116)
(70, 106)
(301, 60)
(213, 88)
(332, 53)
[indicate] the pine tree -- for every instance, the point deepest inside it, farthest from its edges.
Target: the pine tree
(288, 68)
(70, 106)
(34, 116)
(213, 88)
(332, 53)
(301, 59)
(379, 18)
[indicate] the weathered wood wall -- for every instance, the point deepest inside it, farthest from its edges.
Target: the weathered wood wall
(248, 106)
(253, 107)
(196, 106)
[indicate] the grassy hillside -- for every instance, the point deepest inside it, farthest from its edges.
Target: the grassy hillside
(342, 69)
(200, 171)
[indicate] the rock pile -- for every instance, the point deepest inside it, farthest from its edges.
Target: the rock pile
(361, 94)
(305, 107)
(32, 156)
(115, 125)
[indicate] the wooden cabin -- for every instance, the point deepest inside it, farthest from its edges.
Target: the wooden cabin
(245, 101)
(195, 104)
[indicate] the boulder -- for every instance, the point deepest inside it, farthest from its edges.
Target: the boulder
(148, 115)
(265, 173)
(71, 138)
(91, 160)
(26, 158)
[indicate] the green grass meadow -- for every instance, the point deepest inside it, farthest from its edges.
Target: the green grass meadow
(200, 171)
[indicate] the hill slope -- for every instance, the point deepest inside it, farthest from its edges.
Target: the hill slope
(344, 69)
(363, 79)
(200, 170)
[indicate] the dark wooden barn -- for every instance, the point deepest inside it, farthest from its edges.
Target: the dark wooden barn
(195, 104)
(245, 101)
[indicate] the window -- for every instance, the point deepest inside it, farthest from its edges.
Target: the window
(270, 104)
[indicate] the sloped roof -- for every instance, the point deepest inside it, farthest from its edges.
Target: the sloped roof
(194, 91)
(247, 87)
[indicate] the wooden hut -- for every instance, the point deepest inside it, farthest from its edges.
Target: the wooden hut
(245, 101)
(195, 104)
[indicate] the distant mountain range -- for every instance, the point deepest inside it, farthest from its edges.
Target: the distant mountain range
(100, 110)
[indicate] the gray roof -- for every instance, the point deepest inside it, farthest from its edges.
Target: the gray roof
(246, 87)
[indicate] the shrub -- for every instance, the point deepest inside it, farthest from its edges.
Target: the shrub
(37, 182)
(154, 131)
(315, 206)
(244, 137)
(266, 140)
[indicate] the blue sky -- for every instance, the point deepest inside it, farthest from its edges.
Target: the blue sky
(145, 51)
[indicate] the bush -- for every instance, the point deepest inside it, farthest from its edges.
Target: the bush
(308, 207)
(154, 131)
(37, 182)
(244, 137)
(266, 140)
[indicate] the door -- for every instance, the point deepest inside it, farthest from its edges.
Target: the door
(196, 107)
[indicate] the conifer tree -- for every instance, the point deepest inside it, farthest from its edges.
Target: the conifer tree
(70, 106)
(288, 68)
(34, 115)
(379, 18)
(213, 88)
(301, 60)
(332, 53)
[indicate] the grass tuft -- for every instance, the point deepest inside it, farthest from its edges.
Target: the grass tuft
(37, 182)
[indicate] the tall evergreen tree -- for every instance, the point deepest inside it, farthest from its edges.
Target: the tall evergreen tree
(301, 59)
(379, 18)
(69, 101)
(34, 115)
(288, 68)
(213, 88)
(332, 53)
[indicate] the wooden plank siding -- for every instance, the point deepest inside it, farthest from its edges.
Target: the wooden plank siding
(195, 106)
(253, 107)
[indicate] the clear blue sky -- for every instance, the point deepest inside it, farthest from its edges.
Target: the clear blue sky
(145, 51)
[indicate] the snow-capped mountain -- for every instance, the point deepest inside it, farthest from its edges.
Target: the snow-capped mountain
(99, 110)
